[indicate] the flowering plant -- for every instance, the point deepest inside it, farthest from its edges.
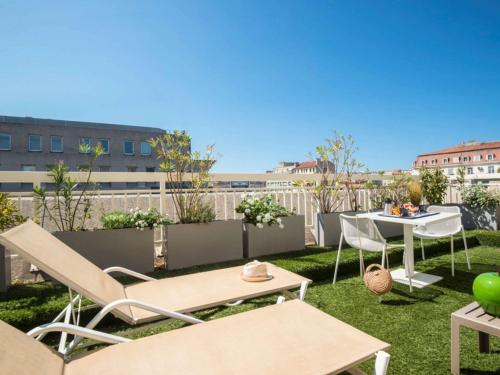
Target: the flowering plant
(260, 211)
(136, 218)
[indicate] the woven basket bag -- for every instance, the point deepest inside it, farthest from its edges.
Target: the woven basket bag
(377, 279)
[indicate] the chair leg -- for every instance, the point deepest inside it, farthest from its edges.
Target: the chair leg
(452, 258)
(338, 259)
(381, 363)
(387, 259)
(384, 256)
(361, 263)
(466, 249)
(422, 247)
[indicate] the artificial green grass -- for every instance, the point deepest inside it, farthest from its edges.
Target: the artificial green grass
(417, 325)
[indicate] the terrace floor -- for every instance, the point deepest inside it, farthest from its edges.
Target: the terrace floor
(417, 325)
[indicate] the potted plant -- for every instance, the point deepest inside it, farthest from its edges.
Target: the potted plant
(269, 228)
(337, 164)
(480, 207)
(434, 184)
(197, 238)
(9, 218)
(126, 240)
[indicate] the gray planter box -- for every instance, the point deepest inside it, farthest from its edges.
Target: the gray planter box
(273, 240)
(327, 228)
(204, 243)
(129, 248)
(4, 269)
(479, 218)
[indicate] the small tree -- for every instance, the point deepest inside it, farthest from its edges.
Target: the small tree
(180, 163)
(67, 207)
(352, 166)
(9, 213)
(434, 184)
(332, 160)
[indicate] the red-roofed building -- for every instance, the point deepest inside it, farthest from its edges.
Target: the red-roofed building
(311, 167)
(480, 159)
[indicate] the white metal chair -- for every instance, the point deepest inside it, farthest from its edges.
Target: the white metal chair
(362, 234)
(443, 229)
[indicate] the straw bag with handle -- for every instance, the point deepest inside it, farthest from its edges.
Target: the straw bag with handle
(377, 279)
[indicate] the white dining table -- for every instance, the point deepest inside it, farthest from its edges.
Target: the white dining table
(408, 275)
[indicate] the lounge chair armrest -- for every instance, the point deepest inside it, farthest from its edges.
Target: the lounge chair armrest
(128, 272)
(77, 331)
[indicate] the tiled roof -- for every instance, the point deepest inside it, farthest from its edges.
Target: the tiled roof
(465, 148)
(307, 164)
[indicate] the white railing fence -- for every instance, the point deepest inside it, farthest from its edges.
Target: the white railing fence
(224, 201)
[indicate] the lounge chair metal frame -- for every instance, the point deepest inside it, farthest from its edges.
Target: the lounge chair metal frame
(382, 358)
(70, 315)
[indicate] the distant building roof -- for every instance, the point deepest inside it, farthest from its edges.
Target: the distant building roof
(307, 164)
(77, 124)
(471, 146)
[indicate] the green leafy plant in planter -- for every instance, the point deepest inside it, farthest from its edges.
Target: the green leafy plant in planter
(9, 213)
(187, 174)
(261, 211)
(396, 190)
(67, 207)
(434, 184)
(415, 193)
(136, 218)
(478, 196)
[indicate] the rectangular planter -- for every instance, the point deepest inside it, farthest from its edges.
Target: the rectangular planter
(479, 218)
(204, 243)
(273, 240)
(129, 248)
(327, 228)
(4, 269)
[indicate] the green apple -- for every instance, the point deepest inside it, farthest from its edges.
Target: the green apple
(486, 290)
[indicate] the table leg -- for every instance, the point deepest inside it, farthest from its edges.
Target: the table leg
(409, 258)
(484, 342)
(455, 347)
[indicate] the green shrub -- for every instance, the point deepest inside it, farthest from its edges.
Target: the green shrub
(489, 238)
(9, 213)
(434, 184)
(136, 218)
(479, 196)
(260, 211)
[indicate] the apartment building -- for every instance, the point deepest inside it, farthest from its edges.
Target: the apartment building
(285, 167)
(481, 161)
(34, 144)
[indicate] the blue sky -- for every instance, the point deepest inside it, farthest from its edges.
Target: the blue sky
(264, 81)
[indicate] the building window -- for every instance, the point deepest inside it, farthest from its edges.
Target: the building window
(491, 156)
(105, 145)
(5, 142)
(470, 170)
(128, 147)
(49, 167)
(56, 143)
(28, 167)
(35, 143)
(150, 169)
(131, 169)
(445, 161)
(85, 145)
(104, 168)
(145, 148)
(491, 169)
(451, 171)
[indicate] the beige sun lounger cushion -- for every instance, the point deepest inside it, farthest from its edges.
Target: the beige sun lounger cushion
(291, 338)
(182, 293)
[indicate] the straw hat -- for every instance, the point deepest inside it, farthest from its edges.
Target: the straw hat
(255, 271)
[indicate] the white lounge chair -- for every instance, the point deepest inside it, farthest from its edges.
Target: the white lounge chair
(362, 234)
(152, 299)
(443, 229)
(289, 338)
